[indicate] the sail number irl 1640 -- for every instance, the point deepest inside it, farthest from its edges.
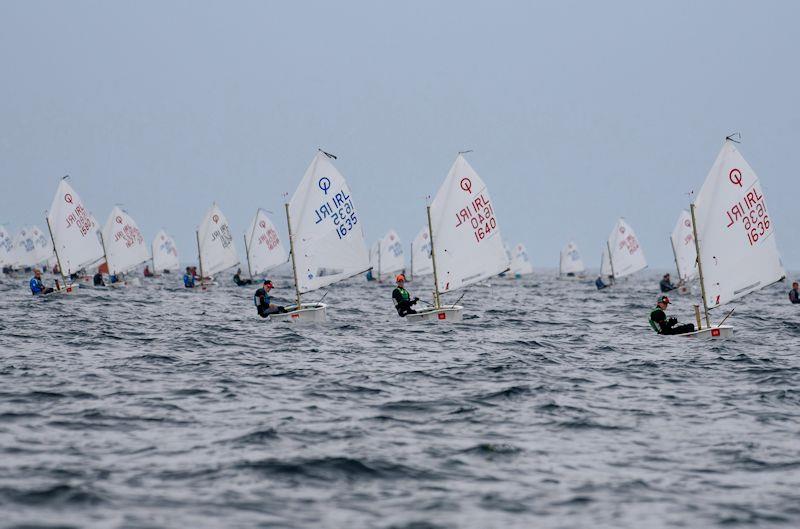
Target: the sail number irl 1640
(479, 215)
(752, 212)
(341, 212)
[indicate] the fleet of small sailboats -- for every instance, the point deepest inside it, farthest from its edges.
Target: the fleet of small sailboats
(725, 240)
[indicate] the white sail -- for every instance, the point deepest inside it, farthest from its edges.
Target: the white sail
(75, 231)
(24, 249)
(124, 244)
(736, 235)
(374, 258)
(7, 251)
(683, 244)
(627, 256)
(421, 263)
(217, 251)
(605, 264)
(466, 235)
(391, 260)
(570, 260)
(520, 262)
(264, 248)
(327, 232)
(165, 253)
(43, 246)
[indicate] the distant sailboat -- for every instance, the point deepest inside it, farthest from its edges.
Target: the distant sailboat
(74, 233)
(684, 252)
(466, 245)
(625, 255)
(165, 253)
(215, 249)
(7, 253)
(734, 237)
(421, 263)
(520, 262)
(386, 257)
(570, 263)
(123, 244)
(326, 237)
(262, 245)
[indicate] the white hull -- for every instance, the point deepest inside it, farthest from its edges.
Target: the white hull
(720, 332)
(576, 277)
(445, 313)
(63, 291)
(308, 313)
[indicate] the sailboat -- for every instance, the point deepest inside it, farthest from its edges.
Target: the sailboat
(74, 233)
(684, 252)
(386, 257)
(165, 253)
(123, 245)
(263, 248)
(625, 255)
(421, 263)
(570, 263)
(520, 262)
(7, 257)
(466, 245)
(326, 237)
(734, 238)
(215, 249)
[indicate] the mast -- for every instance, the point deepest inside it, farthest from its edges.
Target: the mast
(199, 256)
(412, 261)
(55, 250)
(380, 247)
(675, 255)
(247, 255)
(105, 255)
(436, 303)
(699, 265)
(291, 251)
(610, 261)
(561, 260)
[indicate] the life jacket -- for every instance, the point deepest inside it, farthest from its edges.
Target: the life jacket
(403, 294)
(656, 327)
(188, 281)
(36, 286)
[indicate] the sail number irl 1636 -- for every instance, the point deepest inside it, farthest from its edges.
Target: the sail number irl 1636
(751, 212)
(479, 215)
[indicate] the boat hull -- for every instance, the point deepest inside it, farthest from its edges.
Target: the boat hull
(63, 291)
(308, 313)
(720, 332)
(444, 314)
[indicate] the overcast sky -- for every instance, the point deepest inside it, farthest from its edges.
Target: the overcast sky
(577, 112)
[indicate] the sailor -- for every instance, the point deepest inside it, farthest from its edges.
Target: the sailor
(113, 278)
(36, 283)
(262, 301)
(237, 278)
(665, 284)
(794, 293)
(663, 325)
(188, 278)
(402, 299)
(98, 280)
(599, 283)
(147, 272)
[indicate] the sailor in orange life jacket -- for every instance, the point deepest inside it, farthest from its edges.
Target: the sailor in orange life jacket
(402, 299)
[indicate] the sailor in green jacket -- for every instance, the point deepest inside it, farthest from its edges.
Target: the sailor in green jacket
(402, 299)
(663, 325)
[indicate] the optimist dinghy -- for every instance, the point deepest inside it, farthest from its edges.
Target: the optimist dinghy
(734, 238)
(215, 249)
(623, 255)
(165, 253)
(466, 245)
(684, 252)
(421, 264)
(262, 246)
(386, 257)
(570, 263)
(520, 262)
(123, 246)
(326, 237)
(74, 233)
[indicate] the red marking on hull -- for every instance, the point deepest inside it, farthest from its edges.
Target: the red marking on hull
(714, 332)
(442, 316)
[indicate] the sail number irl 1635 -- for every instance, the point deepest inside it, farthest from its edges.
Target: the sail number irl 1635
(341, 212)
(479, 215)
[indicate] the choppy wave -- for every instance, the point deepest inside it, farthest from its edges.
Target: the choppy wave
(552, 405)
